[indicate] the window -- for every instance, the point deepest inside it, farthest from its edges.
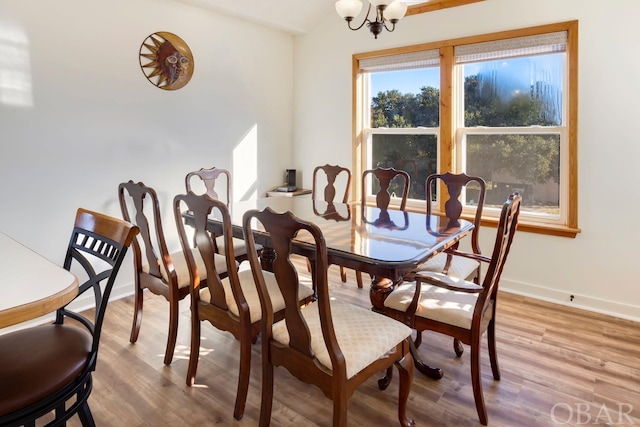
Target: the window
(507, 111)
(402, 124)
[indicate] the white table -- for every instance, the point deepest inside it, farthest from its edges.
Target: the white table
(30, 285)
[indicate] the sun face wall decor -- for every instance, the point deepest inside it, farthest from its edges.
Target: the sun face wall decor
(166, 61)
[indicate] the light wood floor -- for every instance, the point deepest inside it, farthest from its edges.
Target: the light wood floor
(560, 366)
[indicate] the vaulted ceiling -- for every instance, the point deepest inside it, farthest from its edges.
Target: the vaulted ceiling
(293, 16)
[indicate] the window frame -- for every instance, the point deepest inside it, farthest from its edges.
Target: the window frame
(449, 130)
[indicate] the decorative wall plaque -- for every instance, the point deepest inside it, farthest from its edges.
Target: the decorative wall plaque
(166, 61)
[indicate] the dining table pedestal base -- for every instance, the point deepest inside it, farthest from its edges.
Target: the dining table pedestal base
(380, 289)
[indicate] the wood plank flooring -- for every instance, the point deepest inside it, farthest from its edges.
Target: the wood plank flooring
(559, 365)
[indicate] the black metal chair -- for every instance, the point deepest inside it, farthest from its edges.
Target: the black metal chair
(48, 368)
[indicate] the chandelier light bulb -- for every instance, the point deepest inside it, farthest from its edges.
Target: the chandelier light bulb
(348, 9)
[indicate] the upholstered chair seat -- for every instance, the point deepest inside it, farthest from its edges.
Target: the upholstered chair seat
(250, 293)
(239, 246)
(438, 303)
(460, 267)
(180, 267)
(363, 336)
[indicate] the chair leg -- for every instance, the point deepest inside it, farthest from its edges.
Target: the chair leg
(84, 413)
(340, 409)
(418, 339)
(457, 347)
(493, 355)
(405, 370)
(343, 274)
(476, 382)
(267, 393)
(138, 300)
(244, 373)
(359, 279)
(194, 352)
(174, 309)
(384, 382)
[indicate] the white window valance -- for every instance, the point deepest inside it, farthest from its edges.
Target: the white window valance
(510, 48)
(403, 61)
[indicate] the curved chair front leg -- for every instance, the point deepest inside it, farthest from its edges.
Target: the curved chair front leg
(194, 352)
(244, 372)
(138, 300)
(174, 312)
(405, 370)
(476, 382)
(493, 354)
(340, 409)
(267, 394)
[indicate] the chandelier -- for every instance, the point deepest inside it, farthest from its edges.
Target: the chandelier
(386, 11)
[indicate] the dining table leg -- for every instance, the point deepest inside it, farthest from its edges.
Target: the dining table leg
(267, 256)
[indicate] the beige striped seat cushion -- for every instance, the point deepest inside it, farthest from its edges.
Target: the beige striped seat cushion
(440, 304)
(363, 336)
(239, 246)
(461, 267)
(182, 272)
(251, 294)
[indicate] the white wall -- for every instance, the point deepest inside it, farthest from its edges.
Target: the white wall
(87, 119)
(77, 115)
(600, 267)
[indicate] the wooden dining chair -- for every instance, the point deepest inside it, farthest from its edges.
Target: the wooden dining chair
(230, 304)
(327, 175)
(155, 269)
(385, 177)
(331, 344)
(206, 180)
(382, 190)
(448, 262)
(462, 309)
(48, 368)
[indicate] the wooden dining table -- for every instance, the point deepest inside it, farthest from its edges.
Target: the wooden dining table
(30, 285)
(387, 244)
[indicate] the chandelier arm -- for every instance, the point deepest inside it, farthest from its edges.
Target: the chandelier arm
(366, 19)
(387, 28)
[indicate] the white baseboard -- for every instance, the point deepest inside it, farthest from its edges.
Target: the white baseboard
(611, 308)
(584, 302)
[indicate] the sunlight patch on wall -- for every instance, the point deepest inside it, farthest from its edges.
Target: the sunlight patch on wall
(245, 166)
(15, 71)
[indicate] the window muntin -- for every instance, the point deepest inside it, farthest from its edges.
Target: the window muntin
(547, 129)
